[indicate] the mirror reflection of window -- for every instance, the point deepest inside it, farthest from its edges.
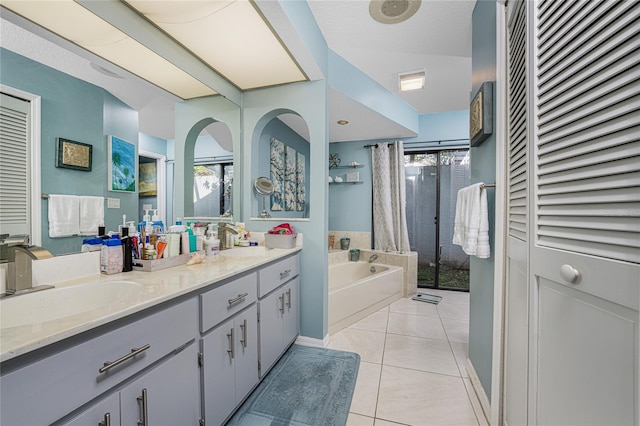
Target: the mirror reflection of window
(212, 188)
(213, 172)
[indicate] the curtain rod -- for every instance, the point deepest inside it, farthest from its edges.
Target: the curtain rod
(411, 143)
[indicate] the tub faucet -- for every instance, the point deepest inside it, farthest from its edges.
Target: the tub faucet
(373, 258)
(16, 252)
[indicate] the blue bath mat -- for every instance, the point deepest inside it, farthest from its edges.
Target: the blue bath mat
(308, 386)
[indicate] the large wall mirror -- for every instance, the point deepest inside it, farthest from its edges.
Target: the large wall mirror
(213, 172)
(207, 150)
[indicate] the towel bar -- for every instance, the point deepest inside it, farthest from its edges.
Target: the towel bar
(46, 196)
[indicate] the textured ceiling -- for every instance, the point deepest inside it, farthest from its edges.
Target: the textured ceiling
(437, 38)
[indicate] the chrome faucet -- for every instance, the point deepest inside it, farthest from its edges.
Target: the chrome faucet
(224, 229)
(373, 258)
(19, 255)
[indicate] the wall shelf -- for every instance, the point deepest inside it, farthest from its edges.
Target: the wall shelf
(345, 183)
(357, 166)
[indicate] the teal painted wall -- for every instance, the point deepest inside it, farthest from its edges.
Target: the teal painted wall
(152, 144)
(483, 166)
(76, 110)
(208, 150)
(350, 205)
(309, 100)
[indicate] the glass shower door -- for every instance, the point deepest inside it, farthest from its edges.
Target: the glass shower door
(432, 183)
(421, 177)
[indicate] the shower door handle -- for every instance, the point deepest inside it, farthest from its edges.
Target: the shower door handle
(435, 220)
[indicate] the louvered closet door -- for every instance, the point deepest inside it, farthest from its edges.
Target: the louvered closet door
(516, 292)
(585, 253)
(15, 184)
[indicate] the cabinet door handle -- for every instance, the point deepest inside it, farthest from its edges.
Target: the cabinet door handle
(106, 421)
(232, 347)
(110, 364)
(285, 273)
(237, 299)
(281, 308)
(289, 298)
(243, 326)
(145, 414)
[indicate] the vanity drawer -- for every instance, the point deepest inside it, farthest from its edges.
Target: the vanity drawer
(62, 382)
(278, 273)
(225, 300)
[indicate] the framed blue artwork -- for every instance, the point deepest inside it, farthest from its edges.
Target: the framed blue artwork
(122, 165)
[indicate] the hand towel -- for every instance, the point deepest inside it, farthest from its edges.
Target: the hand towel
(64, 215)
(471, 224)
(91, 214)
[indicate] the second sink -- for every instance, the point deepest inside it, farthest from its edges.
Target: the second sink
(57, 303)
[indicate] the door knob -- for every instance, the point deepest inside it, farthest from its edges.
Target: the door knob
(570, 274)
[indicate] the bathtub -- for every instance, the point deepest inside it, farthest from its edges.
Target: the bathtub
(356, 292)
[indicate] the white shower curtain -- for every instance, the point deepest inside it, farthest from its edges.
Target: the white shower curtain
(389, 201)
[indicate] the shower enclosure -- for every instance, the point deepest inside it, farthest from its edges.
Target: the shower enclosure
(433, 179)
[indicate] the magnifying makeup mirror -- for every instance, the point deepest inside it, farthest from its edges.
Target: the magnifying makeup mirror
(264, 188)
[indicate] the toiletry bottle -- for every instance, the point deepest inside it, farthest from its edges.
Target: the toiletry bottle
(184, 246)
(111, 256)
(207, 244)
(127, 251)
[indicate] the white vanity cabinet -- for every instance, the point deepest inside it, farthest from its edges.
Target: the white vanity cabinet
(166, 395)
(229, 346)
(279, 309)
(47, 388)
(230, 365)
(103, 413)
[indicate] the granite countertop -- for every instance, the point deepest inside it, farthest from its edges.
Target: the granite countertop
(49, 316)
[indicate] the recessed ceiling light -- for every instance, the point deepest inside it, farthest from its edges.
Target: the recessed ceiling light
(412, 80)
(393, 11)
(343, 122)
(104, 71)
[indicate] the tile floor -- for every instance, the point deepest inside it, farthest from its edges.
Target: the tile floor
(412, 366)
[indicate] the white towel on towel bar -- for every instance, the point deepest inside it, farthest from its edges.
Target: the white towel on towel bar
(64, 215)
(471, 225)
(91, 214)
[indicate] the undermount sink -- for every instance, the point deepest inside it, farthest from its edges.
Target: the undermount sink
(244, 251)
(58, 303)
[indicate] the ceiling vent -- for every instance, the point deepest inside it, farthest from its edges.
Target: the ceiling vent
(393, 11)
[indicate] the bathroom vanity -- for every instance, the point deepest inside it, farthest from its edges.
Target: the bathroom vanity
(181, 346)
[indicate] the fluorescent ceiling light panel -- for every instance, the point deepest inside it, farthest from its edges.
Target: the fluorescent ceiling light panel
(76, 24)
(229, 35)
(413, 80)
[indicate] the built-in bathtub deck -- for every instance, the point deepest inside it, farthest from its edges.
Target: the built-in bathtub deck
(355, 293)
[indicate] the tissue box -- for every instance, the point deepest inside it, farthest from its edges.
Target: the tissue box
(279, 241)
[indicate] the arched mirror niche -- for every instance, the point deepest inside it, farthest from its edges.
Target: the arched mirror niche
(208, 171)
(283, 158)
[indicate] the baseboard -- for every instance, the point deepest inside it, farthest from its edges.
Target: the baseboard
(477, 388)
(310, 341)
